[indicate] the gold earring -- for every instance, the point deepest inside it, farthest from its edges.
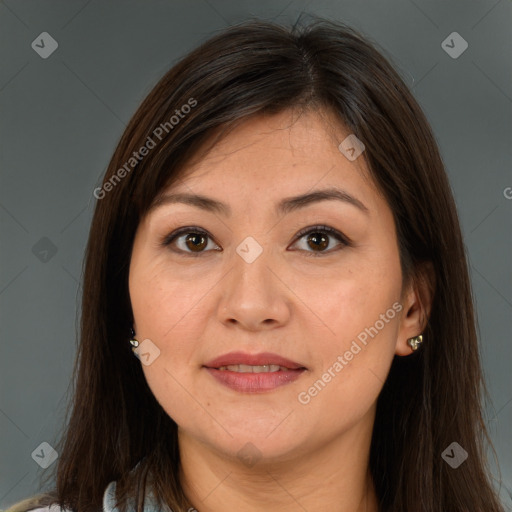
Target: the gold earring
(415, 342)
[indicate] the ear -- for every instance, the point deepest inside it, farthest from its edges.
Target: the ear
(417, 304)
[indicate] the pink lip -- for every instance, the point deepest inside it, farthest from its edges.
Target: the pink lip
(253, 360)
(254, 382)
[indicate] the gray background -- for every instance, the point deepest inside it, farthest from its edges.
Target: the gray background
(61, 118)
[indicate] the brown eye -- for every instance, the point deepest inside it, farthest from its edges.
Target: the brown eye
(318, 238)
(317, 241)
(196, 242)
(190, 241)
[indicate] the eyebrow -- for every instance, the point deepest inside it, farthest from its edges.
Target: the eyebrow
(286, 205)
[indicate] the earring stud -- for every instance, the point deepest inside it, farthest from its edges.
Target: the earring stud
(415, 342)
(133, 341)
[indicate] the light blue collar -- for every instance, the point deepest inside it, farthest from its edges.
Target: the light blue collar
(150, 503)
(109, 497)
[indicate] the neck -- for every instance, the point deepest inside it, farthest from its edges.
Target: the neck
(333, 477)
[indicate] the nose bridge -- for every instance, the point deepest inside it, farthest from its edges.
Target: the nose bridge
(251, 294)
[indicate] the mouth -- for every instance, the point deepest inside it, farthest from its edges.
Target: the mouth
(247, 368)
(254, 373)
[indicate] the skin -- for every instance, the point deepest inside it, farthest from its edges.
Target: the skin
(310, 456)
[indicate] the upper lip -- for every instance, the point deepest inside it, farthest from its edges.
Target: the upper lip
(261, 359)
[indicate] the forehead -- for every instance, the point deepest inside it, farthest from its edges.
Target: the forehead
(272, 151)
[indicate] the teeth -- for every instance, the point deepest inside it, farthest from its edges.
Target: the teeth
(245, 368)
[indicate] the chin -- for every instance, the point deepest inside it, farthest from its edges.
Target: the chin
(253, 446)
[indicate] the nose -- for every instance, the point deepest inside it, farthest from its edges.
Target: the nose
(253, 296)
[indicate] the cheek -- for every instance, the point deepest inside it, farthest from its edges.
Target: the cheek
(359, 328)
(169, 311)
(351, 369)
(162, 300)
(355, 299)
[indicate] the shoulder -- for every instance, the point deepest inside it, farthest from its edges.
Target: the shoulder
(48, 508)
(35, 504)
(51, 508)
(38, 503)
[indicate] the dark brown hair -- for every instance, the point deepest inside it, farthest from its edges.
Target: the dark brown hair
(429, 400)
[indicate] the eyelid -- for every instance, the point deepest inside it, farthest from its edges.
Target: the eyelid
(320, 228)
(170, 238)
(167, 239)
(345, 241)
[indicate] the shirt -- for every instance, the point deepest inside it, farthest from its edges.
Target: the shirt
(109, 495)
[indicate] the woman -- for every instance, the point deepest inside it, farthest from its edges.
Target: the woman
(276, 242)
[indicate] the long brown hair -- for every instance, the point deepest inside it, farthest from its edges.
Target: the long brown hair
(116, 428)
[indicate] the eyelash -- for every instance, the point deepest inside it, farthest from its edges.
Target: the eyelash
(345, 241)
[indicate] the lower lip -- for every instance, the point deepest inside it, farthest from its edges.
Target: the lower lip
(255, 382)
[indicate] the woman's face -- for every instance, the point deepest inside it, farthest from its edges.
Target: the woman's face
(256, 333)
